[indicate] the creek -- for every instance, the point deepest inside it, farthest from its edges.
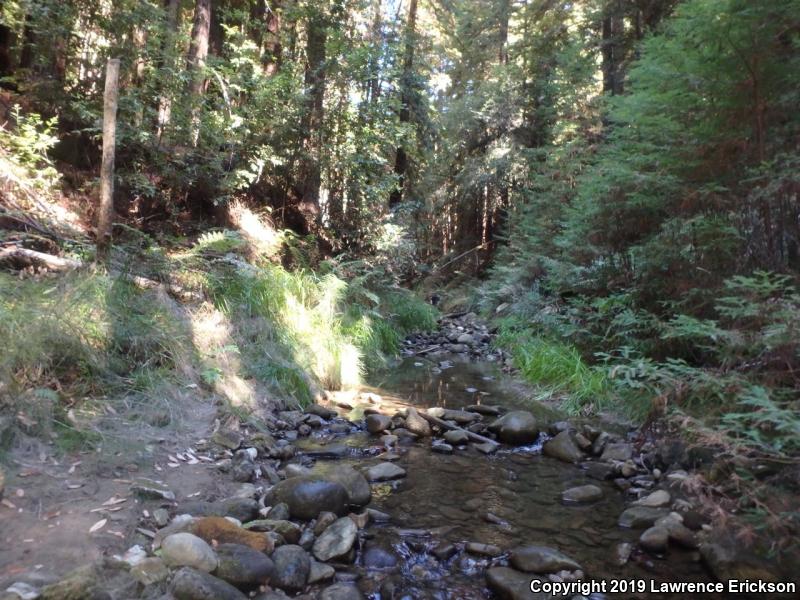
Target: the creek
(508, 499)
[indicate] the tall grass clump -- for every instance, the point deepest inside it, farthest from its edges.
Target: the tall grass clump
(81, 336)
(320, 324)
(555, 365)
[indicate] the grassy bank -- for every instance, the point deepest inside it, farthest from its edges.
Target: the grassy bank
(83, 345)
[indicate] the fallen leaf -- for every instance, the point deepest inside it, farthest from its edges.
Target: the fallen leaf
(193, 495)
(119, 534)
(99, 525)
(114, 500)
(8, 503)
(29, 473)
(74, 486)
(173, 465)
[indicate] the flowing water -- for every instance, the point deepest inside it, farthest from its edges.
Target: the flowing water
(445, 498)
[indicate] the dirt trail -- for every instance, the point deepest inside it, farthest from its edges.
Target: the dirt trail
(52, 501)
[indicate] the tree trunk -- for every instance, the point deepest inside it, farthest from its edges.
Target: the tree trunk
(504, 16)
(314, 114)
(401, 158)
(105, 214)
(196, 61)
(168, 53)
(376, 40)
(272, 47)
(5, 50)
(613, 49)
(139, 42)
(28, 41)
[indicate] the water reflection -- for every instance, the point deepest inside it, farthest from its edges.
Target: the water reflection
(507, 499)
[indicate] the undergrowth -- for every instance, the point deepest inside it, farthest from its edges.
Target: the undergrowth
(77, 343)
(556, 365)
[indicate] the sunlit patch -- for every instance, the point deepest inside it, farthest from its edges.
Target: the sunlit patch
(260, 235)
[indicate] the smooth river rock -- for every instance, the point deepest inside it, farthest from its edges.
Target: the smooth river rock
(289, 531)
(416, 424)
(620, 452)
(191, 584)
(385, 471)
(307, 496)
(292, 567)
(509, 584)
(657, 499)
(336, 541)
(541, 560)
(377, 423)
(640, 517)
(341, 591)
(242, 566)
(456, 437)
(188, 550)
(582, 494)
(355, 484)
(563, 448)
(655, 539)
(516, 428)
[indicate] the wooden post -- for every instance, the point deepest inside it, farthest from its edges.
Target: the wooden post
(105, 214)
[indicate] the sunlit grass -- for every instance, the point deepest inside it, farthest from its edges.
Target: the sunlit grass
(556, 366)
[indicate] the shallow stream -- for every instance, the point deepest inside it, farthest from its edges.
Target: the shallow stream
(445, 498)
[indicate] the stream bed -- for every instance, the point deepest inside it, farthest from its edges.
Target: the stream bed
(507, 499)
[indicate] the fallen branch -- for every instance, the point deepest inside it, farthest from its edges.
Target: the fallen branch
(58, 263)
(474, 437)
(426, 350)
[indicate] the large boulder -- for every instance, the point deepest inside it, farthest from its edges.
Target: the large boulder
(563, 448)
(541, 560)
(336, 541)
(191, 584)
(188, 550)
(517, 428)
(292, 567)
(307, 496)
